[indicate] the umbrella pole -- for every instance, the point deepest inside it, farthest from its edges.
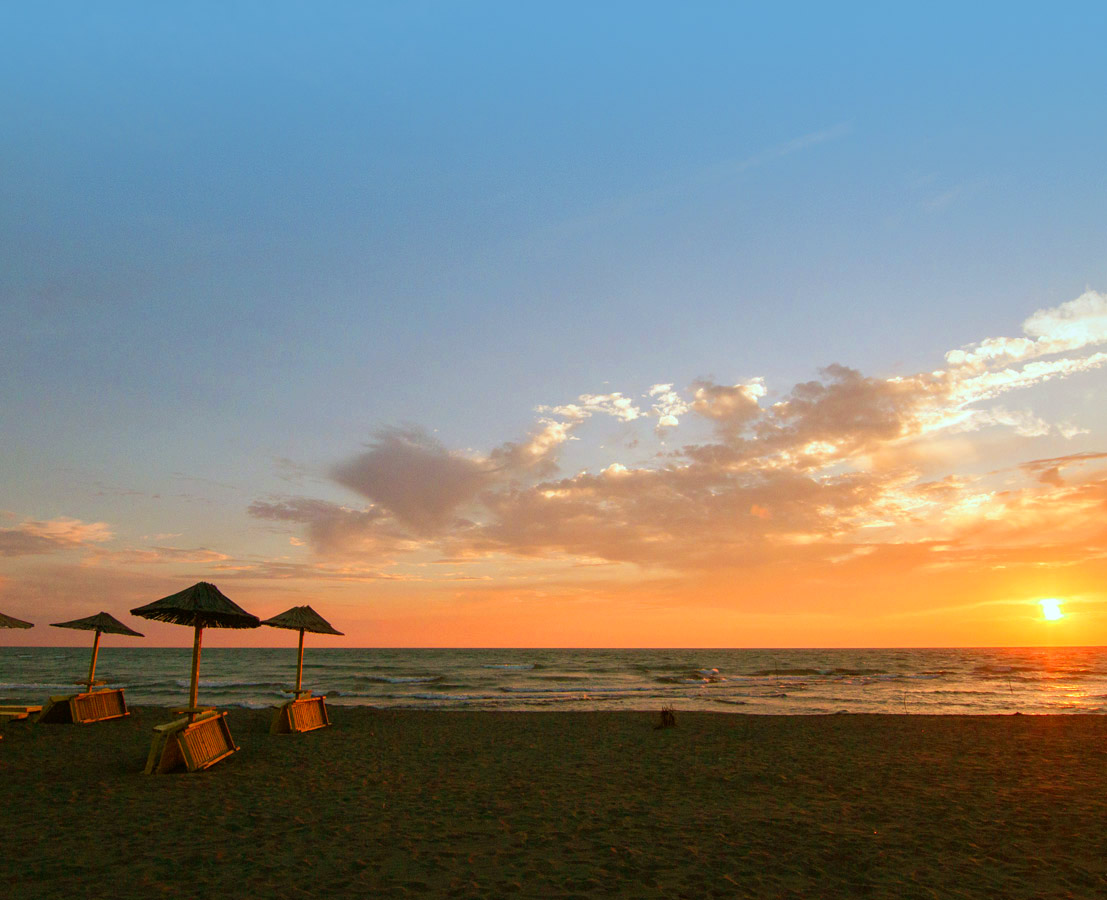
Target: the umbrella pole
(92, 665)
(195, 674)
(300, 665)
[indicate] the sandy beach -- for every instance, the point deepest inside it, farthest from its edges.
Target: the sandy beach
(480, 804)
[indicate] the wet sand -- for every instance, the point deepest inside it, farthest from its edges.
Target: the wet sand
(480, 804)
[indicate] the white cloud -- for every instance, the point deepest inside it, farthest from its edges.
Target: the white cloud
(538, 452)
(615, 405)
(1074, 325)
(1068, 431)
(668, 406)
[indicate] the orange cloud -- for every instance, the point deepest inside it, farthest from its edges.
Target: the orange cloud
(155, 556)
(31, 538)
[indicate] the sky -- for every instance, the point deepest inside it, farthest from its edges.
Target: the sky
(557, 324)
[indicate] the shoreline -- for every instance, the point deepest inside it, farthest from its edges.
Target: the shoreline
(396, 803)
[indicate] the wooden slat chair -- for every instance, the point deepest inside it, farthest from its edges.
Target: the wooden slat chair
(196, 745)
(86, 708)
(15, 713)
(301, 714)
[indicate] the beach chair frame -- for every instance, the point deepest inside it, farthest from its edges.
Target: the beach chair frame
(299, 715)
(196, 745)
(85, 708)
(16, 713)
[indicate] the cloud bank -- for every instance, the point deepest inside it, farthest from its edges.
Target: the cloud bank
(833, 466)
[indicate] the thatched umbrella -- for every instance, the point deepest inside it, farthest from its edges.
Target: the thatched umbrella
(13, 622)
(101, 622)
(301, 618)
(201, 606)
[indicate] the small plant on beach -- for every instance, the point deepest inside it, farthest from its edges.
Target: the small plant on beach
(668, 718)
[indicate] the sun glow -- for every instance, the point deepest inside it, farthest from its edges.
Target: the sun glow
(1051, 609)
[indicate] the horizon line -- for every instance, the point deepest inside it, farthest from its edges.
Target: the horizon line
(506, 647)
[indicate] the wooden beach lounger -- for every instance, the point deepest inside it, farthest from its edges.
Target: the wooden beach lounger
(86, 708)
(194, 744)
(301, 714)
(15, 713)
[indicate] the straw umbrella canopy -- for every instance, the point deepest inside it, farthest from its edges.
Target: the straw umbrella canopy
(13, 622)
(201, 606)
(301, 618)
(100, 623)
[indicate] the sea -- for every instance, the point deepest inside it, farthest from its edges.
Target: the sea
(772, 682)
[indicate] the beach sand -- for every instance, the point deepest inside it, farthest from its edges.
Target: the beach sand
(484, 804)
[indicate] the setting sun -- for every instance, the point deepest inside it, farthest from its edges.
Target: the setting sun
(1051, 609)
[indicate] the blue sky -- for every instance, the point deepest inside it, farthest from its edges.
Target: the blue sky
(242, 238)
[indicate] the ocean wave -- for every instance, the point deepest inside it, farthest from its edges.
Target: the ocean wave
(453, 698)
(696, 676)
(526, 701)
(401, 679)
(943, 692)
(38, 686)
(839, 671)
(522, 667)
(692, 680)
(575, 689)
(998, 669)
(229, 683)
(564, 677)
(346, 695)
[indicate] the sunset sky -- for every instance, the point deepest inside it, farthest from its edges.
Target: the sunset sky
(557, 324)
